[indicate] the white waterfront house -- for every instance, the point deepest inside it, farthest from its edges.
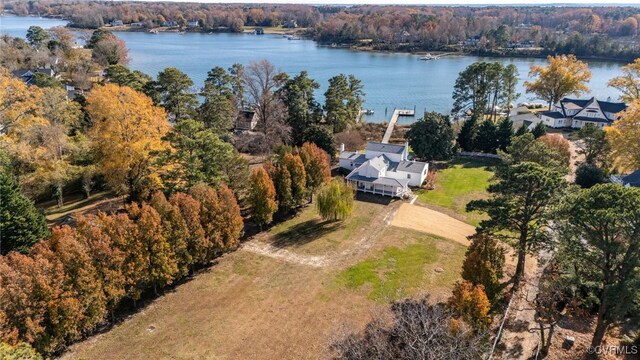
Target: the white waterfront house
(383, 169)
(575, 113)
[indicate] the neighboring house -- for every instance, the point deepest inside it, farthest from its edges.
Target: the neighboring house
(137, 24)
(383, 169)
(258, 31)
(246, 121)
(117, 23)
(575, 113)
(169, 23)
(631, 180)
(27, 75)
(193, 23)
(290, 24)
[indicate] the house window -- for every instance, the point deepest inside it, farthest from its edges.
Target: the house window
(408, 176)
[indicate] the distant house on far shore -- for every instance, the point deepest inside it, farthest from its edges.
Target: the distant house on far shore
(290, 24)
(246, 121)
(193, 24)
(631, 180)
(116, 23)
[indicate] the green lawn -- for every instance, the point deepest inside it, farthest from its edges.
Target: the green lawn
(307, 233)
(464, 180)
(406, 269)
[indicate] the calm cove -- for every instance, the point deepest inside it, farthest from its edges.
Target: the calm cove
(390, 80)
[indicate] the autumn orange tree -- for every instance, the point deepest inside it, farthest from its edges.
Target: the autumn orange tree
(176, 230)
(558, 144)
(623, 137)
(316, 166)
(262, 197)
(198, 244)
(72, 281)
(564, 75)
(470, 303)
(483, 263)
(289, 178)
(127, 131)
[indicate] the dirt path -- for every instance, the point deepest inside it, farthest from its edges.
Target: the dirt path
(263, 244)
(433, 222)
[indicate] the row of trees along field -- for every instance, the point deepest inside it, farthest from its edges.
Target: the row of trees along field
(76, 280)
(588, 236)
(595, 31)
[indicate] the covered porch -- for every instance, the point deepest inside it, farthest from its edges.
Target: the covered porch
(368, 187)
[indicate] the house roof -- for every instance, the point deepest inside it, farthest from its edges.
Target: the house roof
(632, 179)
(416, 167)
(612, 107)
(553, 114)
(605, 106)
(378, 162)
(388, 148)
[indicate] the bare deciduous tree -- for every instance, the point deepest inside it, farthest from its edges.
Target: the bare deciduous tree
(262, 80)
(415, 329)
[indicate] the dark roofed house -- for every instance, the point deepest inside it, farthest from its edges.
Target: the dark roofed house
(27, 75)
(576, 113)
(246, 121)
(631, 180)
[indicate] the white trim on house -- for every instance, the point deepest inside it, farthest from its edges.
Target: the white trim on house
(576, 113)
(383, 169)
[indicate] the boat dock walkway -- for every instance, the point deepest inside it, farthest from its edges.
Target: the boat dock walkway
(394, 119)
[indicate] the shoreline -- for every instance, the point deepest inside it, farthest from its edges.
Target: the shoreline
(300, 32)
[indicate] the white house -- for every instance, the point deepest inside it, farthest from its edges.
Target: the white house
(575, 113)
(383, 169)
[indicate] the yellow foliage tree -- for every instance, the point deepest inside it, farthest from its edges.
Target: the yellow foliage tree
(629, 82)
(18, 104)
(564, 75)
(127, 132)
(623, 136)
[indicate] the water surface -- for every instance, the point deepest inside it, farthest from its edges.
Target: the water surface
(390, 80)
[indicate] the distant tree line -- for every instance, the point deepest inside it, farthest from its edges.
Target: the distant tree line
(609, 32)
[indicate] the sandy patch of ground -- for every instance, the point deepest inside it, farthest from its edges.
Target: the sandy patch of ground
(433, 222)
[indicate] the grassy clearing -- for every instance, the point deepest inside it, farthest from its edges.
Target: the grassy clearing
(401, 271)
(251, 306)
(464, 180)
(75, 204)
(307, 233)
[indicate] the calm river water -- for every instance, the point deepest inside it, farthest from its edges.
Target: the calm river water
(390, 80)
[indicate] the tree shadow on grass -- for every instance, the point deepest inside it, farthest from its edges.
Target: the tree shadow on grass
(305, 232)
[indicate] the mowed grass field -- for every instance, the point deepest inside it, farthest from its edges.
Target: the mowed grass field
(253, 305)
(464, 180)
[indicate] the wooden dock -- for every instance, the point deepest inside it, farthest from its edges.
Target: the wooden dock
(394, 119)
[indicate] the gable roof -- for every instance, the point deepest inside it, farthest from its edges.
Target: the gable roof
(378, 162)
(581, 104)
(612, 107)
(388, 148)
(553, 114)
(632, 179)
(416, 167)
